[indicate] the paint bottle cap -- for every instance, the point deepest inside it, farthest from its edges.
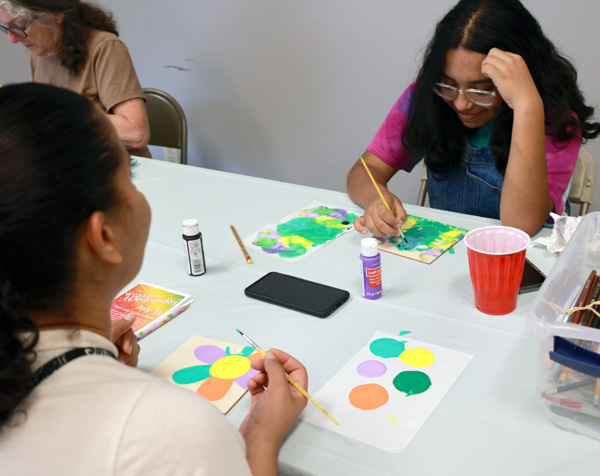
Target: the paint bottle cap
(369, 247)
(190, 227)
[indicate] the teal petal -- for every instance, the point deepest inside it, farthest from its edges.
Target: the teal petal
(192, 374)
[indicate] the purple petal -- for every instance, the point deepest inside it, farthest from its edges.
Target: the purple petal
(243, 380)
(209, 354)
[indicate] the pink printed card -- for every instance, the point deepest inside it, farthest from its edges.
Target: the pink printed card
(153, 306)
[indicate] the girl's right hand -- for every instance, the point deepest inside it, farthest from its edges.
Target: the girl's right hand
(379, 221)
(276, 403)
(511, 76)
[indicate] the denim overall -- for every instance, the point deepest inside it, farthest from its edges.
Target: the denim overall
(474, 187)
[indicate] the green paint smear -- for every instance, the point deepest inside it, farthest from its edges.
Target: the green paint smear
(265, 243)
(310, 229)
(303, 232)
(294, 251)
(192, 374)
(412, 382)
(403, 333)
(387, 348)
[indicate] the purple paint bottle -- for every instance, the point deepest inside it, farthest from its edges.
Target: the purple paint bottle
(371, 268)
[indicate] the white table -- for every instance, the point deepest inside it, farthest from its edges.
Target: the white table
(490, 422)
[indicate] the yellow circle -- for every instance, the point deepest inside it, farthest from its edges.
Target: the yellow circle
(417, 357)
(230, 367)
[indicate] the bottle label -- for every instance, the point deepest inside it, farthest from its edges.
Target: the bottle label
(195, 257)
(374, 276)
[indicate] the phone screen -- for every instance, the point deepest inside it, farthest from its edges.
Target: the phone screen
(299, 294)
(533, 278)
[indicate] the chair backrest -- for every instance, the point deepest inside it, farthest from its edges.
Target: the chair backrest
(168, 125)
(423, 189)
(583, 181)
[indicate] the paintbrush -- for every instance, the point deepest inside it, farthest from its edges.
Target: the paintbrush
(381, 195)
(290, 379)
(237, 237)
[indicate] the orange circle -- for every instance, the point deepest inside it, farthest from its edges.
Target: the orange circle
(369, 396)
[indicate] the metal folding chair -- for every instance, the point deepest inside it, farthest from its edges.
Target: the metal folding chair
(168, 125)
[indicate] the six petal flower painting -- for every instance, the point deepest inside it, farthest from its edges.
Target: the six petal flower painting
(217, 370)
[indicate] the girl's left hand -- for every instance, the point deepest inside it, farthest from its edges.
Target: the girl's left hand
(125, 340)
(511, 76)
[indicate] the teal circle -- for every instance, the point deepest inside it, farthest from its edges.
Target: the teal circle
(387, 348)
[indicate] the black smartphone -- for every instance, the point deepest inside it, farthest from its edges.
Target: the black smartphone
(299, 294)
(532, 278)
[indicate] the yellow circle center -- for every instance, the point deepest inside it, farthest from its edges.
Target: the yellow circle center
(417, 357)
(230, 367)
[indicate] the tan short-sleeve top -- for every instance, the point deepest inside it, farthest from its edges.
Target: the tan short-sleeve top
(107, 78)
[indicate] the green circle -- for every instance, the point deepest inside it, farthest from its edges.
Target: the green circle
(412, 382)
(387, 348)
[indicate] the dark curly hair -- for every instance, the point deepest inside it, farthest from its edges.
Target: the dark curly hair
(479, 26)
(58, 167)
(79, 20)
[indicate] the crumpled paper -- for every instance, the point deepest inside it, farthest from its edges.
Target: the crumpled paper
(564, 227)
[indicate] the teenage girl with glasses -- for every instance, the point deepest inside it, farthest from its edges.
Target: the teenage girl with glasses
(497, 116)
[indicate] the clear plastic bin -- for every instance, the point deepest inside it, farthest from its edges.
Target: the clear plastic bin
(568, 355)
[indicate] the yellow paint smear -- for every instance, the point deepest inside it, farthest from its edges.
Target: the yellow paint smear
(297, 240)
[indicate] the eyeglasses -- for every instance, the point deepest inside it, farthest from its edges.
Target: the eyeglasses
(477, 96)
(17, 31)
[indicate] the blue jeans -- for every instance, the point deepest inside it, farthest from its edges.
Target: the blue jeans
(474, 187)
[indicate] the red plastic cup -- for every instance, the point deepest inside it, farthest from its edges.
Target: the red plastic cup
(496, 262)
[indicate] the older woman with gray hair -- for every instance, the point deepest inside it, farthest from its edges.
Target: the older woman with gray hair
(75, 45)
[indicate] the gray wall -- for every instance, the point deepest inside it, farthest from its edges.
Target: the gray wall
(295, 90)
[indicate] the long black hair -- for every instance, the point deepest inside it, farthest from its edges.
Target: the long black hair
(79, 21)
(58, 166)
(434, 130)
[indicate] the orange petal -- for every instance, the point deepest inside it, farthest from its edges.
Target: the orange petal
(255, 356)
(214, 389)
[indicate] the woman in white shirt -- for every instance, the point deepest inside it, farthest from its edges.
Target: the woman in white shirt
(72, 234)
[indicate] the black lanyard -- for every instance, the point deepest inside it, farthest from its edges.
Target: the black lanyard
(56, 363)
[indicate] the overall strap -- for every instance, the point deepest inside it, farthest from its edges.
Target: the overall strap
(53, 365)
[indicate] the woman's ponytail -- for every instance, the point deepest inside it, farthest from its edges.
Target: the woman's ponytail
(18, 337)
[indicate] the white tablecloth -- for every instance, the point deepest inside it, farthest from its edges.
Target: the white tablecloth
(490, 422)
